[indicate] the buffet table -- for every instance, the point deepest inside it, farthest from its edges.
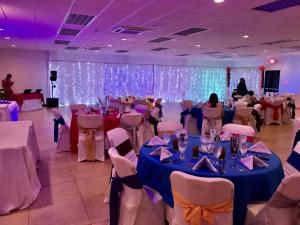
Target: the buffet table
(19, 154)
(28, 102)
(9, 111)
(256, 185)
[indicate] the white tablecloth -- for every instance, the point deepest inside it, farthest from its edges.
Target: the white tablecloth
(19, 152)
(9, 112)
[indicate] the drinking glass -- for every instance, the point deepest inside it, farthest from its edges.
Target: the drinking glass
(234, 148)
(166, 138)
(182, 147)
(243, 149)
(217, 153)
(242, 139)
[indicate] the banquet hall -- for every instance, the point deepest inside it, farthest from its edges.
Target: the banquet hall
(137, 112)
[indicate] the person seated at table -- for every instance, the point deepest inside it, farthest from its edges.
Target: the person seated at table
(7, 86)
(155, 116)
(213, 102)
(251, 99)
(242, 88)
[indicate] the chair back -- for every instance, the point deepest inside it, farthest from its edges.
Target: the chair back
(240, 104)
(289, 187)
(131, 120)
(186, 104)
(212, 113)
(257, 107)
(91, 121)
(168, 127)
(242, 115)
(140, 102)
(56, 113)
(158, 101)
(238, 129)
(201, 191)
(77, 107)
(117, 136)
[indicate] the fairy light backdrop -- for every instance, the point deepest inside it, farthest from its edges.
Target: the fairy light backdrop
(82, 82)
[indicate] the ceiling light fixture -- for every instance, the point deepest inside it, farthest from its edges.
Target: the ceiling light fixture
(109, 45)
(218, 1)
(198, 46)
(13, 45)
(1, 29)
(7, 38)
(246, 36)
(124, 39)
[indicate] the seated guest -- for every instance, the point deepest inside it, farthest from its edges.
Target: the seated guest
(251, 99)
(213, 101)
(7, 86)
(155, 116)
(242, 88)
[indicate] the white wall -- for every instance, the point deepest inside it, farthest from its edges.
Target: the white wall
(29, 68)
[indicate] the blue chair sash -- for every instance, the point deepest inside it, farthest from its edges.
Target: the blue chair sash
(114, 198)
(294, 160)
(57, 122)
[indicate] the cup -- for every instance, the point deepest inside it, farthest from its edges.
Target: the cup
(175, 144)
(195, 152)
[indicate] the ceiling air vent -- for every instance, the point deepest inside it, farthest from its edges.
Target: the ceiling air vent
(122, 51)
(160, 39)
(222, 56)
(94, 48)
(277, 5)
(249, 55)
(190, 31)
(297, 47)
(158, 49)
(278, 42)
(61, 42)
(239, 47)
(72, 47)
(130, 30)
(211, 53)
(69, 32)
(183, 54)
(79, 19)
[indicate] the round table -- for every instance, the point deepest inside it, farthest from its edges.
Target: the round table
(256, 185)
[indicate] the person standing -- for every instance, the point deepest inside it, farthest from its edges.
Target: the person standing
(7, 86)
(242, 88)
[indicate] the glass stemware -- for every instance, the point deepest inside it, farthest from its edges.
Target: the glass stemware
(234, 149)
(243, 149)
(182, 147)
(166, 138)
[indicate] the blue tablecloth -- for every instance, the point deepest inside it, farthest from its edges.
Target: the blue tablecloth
(197, 113)
(256, 185)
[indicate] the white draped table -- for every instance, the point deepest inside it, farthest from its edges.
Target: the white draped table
(9, 112)
(19, 153)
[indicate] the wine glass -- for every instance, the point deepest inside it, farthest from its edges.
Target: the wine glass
(234, 148)
(242, 139)
(166, 138)
(217, 153)
(182, 147)
(243, 149)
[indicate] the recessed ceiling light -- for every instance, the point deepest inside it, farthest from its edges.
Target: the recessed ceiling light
(96, 50)
(1, 29)
(235, 54)
(7, 38)
(265, 50)
(218, 1)
(13, 45)
(198, 46)
(109, 45)
(246, 36)
(124, 39)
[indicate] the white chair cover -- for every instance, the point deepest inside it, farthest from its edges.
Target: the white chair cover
(136, 208)
(282, 208)
(243, 115)
(238, 129)
(190, 123)
(268, 113)
(63, 143)
(90, 126)
(288, 168)
(240, 103)
(211, 115)
(168, 127)
(201, 191)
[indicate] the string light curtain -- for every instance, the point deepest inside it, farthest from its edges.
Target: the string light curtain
(251, 76)
(125, 80)
(78, 82)
(174, 83)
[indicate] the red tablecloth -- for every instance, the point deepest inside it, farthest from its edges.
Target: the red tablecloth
(109, 122)
(19, 98)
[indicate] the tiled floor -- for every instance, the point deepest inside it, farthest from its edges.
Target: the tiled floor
(72, 193)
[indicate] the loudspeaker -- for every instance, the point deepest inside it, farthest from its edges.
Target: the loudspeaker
(53, 75)
(272, 78)
(52, 102)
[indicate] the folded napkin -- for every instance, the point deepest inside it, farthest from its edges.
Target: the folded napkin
(163, 152)
(3, 106)
(156, 141)
(252, 161)
(260, 147)
(205, 163)
(226, 136)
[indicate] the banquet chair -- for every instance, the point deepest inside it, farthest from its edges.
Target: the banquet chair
(240, 103)
(77, 107)
(238, 129)
(192, 192)
(243, 115)
(114, 103)
(135, 206)
(292, 165)
(91, 138)
(211, 115)
(168, 127)
(132, 123)
(190, 123)
(61, 133)
(281, 209)
(273, 112)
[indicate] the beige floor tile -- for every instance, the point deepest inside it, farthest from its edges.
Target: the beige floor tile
(19, 217)
(48, 176)
(70, 213)
(90, 169)
(56, 193)
(96, 209)
(93, 186)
